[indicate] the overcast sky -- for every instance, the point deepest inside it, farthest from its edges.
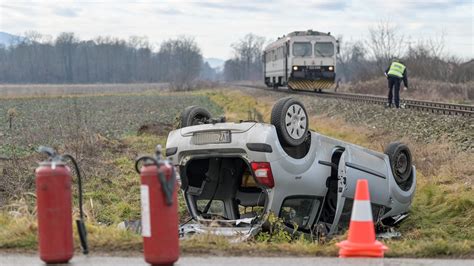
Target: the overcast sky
(216, 24)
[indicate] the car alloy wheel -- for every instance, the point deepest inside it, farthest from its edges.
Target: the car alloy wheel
(295, 121)
(291, 121)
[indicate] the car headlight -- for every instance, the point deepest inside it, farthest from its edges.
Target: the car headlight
(295, 68)
(331, 68)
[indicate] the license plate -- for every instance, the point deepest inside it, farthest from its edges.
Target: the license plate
(211, 137)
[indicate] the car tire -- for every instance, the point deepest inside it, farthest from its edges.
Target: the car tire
(290, 119)
(194, 115)
(400, 162)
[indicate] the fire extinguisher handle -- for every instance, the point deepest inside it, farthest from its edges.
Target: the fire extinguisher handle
(49, 151)
(143, 158)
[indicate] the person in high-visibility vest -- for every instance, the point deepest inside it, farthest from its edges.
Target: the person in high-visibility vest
(395, 73)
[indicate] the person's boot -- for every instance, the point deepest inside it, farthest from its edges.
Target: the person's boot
(388, 105)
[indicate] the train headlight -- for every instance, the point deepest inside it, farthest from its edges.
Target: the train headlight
(295, 68)
(331, 68)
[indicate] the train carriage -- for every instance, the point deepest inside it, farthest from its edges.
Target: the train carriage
(302, 60)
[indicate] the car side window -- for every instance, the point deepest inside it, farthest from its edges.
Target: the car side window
(298, 210)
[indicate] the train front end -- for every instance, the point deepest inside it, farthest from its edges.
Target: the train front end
(313, 62)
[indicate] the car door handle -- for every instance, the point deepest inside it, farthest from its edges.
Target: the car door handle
(332, 165)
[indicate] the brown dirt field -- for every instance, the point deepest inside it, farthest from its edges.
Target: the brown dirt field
(43, 90)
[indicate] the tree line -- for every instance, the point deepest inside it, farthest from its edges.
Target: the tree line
(66, 59)
(425, 58)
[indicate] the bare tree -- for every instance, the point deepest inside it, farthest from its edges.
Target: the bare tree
(385, 43)
(181, 61)
(247, 61)
(352, 63)
(233, 70)
(66, 42)
(208, 73)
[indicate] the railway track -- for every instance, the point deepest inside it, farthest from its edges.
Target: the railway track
(426, 106)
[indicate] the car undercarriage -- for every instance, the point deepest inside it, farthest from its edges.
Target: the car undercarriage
(234, 175)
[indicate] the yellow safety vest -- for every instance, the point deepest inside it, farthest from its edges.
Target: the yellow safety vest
(396, 69)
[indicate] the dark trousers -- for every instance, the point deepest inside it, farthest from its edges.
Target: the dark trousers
(394, 88)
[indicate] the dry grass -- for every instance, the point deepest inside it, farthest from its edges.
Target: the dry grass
(418, 89)
(441, 222)
(218, 245)
(47, 90)
(237, 106)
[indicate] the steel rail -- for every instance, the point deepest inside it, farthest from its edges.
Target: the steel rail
(426, 106)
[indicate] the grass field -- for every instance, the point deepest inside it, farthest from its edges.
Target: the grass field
(106, 133)
(53, 121)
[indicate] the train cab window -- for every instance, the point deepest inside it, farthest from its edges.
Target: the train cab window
(302, 49)
(324, 49)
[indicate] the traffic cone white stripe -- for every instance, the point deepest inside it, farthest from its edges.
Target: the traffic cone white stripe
(361, 211)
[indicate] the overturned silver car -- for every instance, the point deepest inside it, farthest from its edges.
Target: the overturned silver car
(234, 174)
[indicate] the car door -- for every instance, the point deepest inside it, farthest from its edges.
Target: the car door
(360, 163)
(357, 163)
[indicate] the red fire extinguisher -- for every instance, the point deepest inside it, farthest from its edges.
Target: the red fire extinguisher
(159, 209)
(54, 208)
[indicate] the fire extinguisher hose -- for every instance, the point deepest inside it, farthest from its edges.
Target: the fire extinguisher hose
(81, 227)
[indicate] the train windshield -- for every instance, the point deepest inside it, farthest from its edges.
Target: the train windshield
(302, 49)
(324, 49)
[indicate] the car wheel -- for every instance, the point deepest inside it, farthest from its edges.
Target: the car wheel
(290, 120)
(194, 115)
(400, 162)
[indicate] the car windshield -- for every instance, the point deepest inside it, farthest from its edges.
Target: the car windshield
(324, 49)
(302, 49)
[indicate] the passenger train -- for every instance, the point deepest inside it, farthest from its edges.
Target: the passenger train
(301, 60)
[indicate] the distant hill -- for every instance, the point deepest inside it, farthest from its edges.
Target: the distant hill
(215, 62)
(7, 39)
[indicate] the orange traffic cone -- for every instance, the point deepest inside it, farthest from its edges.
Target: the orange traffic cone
(361, 241)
